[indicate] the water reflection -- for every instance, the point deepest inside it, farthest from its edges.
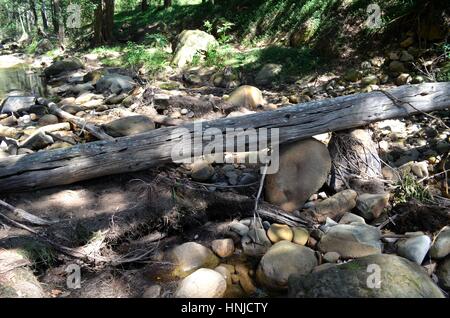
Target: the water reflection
(19, 79)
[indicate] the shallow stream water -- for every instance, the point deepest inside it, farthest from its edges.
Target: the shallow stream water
(19, 78)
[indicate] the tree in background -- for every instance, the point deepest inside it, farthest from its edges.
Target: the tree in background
(144, 5)
(104, 22)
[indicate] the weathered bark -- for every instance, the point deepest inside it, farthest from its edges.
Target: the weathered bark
(58, 22)
(33, 11)
(139, 152)
(44, 15)
(81, 123)
(104, 22)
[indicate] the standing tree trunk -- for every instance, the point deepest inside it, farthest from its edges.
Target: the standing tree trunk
(33, 11)
(104, 22)
(144, 5)
(58, 22)
(44, 16)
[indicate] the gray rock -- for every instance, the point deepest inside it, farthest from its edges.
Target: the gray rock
(116, 99)
(266, 225)
(370, 206)
(48, 119)
(255, 243)
(43, 46)
(268, 74)
(72, 109)
(246, 96)
(115, 84)
(352, 240)
(14, 104)
(37, 141)
(225, 272)
(443, 274)
(329, 223)
(304, 160)
(191, 256)
(406, 57)
(223, 247)
(369, 80)
(239, 228)
(82, 88)
(348, 218)
(64, 66)
(397, 67)
(128, 126)
(403, 78)
(201, 170)
(414, 248)
(188, 43)
(24, 151)
(248, 178)
(203, 283)
(441, 245)
(399, 278)
(283, 259)
(153, 291)
(19, 281)
(331, 257)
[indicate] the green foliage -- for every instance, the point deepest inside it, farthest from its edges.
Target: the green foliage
(208, 26)
(409, 188)
(40, 255)
(156, 40)
(443, 74)
(137, 56)
(223, 31)
(218, 55)
(31, 49)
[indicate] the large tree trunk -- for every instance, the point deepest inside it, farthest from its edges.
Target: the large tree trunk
(139, 152)
(44, 16)
(104, 22)
(59, 27)
(55, 20)
(34, 12)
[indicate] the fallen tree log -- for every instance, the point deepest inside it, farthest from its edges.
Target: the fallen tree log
(81, 123)
(139, 152)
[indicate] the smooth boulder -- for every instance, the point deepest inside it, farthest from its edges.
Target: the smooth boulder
(191, 256)
(189, 43)
(283, 259)
(395, 277)
(246, 96)
(304, 168)
(414, 248)
(203, 283)
(13, 104)
(16, 278)
(115, 84)
(64, 66)
(128, 126)
(441, 245)
(352, 240)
